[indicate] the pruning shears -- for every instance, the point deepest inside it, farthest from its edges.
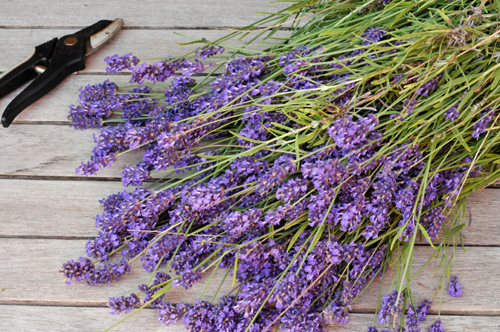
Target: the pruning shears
(51, 63)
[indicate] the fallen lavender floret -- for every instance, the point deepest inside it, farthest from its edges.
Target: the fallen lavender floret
(455, 289)
(437, 327)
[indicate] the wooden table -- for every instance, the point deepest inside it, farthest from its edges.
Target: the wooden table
(47, 211)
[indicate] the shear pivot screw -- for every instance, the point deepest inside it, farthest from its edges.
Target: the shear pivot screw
(70, 41)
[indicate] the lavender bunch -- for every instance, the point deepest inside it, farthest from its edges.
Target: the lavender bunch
(304, 167)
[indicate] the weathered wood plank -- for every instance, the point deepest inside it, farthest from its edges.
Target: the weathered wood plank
(17, 44)
(40, 208)
(477, 271)
(482, 208)
(52, 150)
(48, 318)
(30, 267)
(148, 14)
(36, 208)
(30, 275)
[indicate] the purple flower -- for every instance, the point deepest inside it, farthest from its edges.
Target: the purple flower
(149, 291)
(423, 310)
(123, 304)
(208, 51)
(433, 222)
(162, 250)
(480, 126)
(412, 320)
(372, 329)
(118, 63)
(437, 326)
(96, 104)
(389, 307)
(135, 174)
(455, 289)
(336, 314)
(157, 72)
(187, 279)
(77, 271)
(452, 113)
(427, 87)
(170, 313)
(373, 35)
(240, 222)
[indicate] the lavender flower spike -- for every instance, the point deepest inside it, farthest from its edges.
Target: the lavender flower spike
(437, 327)
(118, 63)
(123, 304)
(455, 289)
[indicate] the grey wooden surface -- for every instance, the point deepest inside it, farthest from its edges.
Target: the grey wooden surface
(47, 211)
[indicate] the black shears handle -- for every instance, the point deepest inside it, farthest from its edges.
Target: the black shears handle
(61, 57)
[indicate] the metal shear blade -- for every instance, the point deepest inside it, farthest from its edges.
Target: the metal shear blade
(53, 61)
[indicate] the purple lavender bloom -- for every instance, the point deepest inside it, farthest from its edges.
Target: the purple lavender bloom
(433, 222)
(135, 174)
(336, 313)
(118, 63)
(96, 104)
(123, 303)
(373, 35)
(412, 320)
(292, 190)
(350, 135)
(296, 320)
(437, 326)
(423, 310)
(77, 271)
(452, 113)
(397, 79)
(208, 51)
(170, 313)
(120, 268)
(162, 250)
(200, 317)
(389, 307)
(110, 142)
(251, 296)
(157, 72)
(273, 217)
(455, 289)
(372, 329)
(480, 126)
(240, 222)
(149, 291)
(287, 290)
(191, 68)
(187, 279)
(429, 86)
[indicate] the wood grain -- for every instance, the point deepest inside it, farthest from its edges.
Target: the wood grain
(149, 14)
(41, 208)
(30, 275)
(52, 150)
(53, 318)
